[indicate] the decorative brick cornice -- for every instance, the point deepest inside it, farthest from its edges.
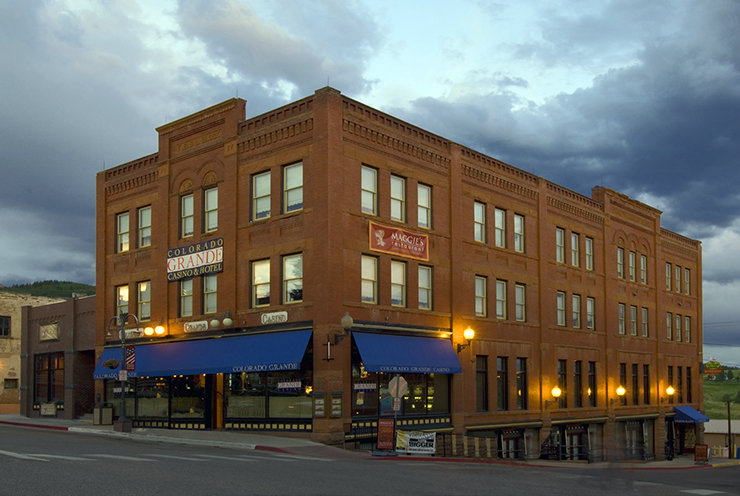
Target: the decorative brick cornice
(494, 164)
(276, 135)
(564, 206)
(134, 182)
(679, 239)
(499, 182)
(131, 167)
(575, 197)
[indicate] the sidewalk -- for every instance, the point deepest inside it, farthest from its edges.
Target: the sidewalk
(305, 447)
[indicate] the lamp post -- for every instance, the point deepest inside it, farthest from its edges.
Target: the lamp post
(122, 373)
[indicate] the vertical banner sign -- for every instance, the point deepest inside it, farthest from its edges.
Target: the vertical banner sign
(130, 358)
(399, 242)
(386, 428)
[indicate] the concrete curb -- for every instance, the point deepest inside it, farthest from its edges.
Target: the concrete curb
(164, 439)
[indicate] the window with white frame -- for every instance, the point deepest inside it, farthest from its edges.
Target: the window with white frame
(679, 337)
(576, 302)
(589, 253)
(122, 232)
(500, 299)
(424, 202)
(499, 221)
(479, 221)
(369, 279)
(398, 283)
(668, 270)
(186, 298)
(560, 244)
(633, 320)
(293, 188)
(520, 302)
(678, 279)
(425, 287)
(481, 303)
(187, 216)
(260, 283)
(590, 313)
(293, 278)
(687, 329)
(398, 198)
(560, 305)
(519, 233)
(669, 326)
(575, 249)
(620, 263)
(687, 281)
(622, 311)
(645, 323)
(122, 299)
(261, 196)
(643, 269)
(144, 300)
(369, 190)
(210, 293)
(210, 209)
(145, 226)
(633, 268)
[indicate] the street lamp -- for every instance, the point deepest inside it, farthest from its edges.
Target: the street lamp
(669, 391)
(122, 373)
(620, 393)
(469, 335)
(556, 392)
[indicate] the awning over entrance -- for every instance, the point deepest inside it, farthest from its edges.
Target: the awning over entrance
(688, 415)
(392, 353)
(251, 353)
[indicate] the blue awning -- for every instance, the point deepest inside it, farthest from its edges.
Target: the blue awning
(391, 353)
(688, 415)
(251, 353)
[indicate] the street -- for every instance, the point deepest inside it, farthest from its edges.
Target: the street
(40, 461)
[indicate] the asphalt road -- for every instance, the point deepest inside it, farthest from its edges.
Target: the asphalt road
(43, 462)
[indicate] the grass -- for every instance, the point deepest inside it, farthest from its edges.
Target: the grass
(716, 394)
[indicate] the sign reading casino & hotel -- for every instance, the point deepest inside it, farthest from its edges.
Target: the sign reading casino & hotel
(399, 242)
(206, 257)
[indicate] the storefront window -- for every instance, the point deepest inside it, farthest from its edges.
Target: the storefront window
(153, 396)
(49, 378)
(188, 396)
(282, 394)
(287, 397)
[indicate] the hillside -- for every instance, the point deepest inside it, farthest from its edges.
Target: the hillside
(52, 289)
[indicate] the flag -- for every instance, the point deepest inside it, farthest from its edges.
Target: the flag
(131, 358)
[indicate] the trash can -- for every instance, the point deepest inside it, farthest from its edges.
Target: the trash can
(103, 414)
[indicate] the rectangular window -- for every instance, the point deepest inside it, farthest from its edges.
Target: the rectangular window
(122, 232)
(679, 383)
(261, 196)
(398, 283)
(210, 209)
(689, 396)
(563, 383)
(668, 271)
(635, 384)
(589, 254)
(145, 226)
(560, 244)
(575, 250)
(369, 279)
(502, 382)
(398, 198)
(369, 190)
(560, 302)
(670, 382)
(144, 299)
(623, 381)
(669, 326)
(520, 297)
(424, 201)
(425, 287)
(519, 233)
(4, 326)
(687, 329)
(481, 383)
(260, 283)
(620, 263)
(481, 303)
(678, 279)
(646, 384)
(293, 188)
(590, 313)
(500, 299)
(622, 311)
(645, 327)
(500, 227)
(210, 293)
(479, 221)
(633, 320)
(591, 383)
(186, 216)
(121, 300)
(679, 337)
(521, 384)
(576, 309)
(293, 278)
(49, 378)
(186, 298)
(633, 263)
(687, 281)
(643, 269)
(577, 384)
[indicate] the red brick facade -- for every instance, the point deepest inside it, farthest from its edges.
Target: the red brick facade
(334, 137)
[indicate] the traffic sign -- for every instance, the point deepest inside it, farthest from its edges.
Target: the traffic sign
(398, 387)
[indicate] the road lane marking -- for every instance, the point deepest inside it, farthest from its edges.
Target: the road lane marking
(64, 457)
(22, 456)
(175, 457)
(240, 458)
(127, 458)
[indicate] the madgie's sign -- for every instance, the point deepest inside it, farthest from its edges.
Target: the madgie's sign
(398, 242)
(206, 257)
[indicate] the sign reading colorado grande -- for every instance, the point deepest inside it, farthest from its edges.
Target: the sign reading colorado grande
(398, 242)
(206, 257)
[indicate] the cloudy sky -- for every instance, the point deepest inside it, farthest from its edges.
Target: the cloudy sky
(642, 97)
